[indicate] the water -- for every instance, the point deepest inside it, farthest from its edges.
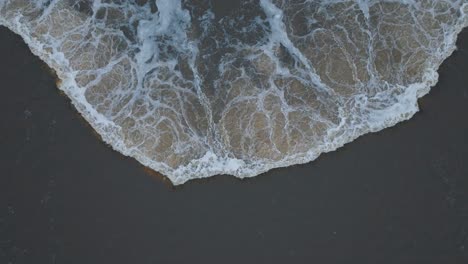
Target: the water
(193, 92)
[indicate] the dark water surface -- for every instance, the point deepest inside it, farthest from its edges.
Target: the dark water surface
(398, 196)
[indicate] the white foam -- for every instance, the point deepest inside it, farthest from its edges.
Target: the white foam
(374, 105)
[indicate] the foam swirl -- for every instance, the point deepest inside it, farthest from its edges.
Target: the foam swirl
(193, 93)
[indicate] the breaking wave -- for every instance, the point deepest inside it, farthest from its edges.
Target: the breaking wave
(191, 91)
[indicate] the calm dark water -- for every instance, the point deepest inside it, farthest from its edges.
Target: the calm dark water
(398, 196)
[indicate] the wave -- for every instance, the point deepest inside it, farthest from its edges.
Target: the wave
(192, 92)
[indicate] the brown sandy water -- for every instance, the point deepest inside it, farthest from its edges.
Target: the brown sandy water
(194, 89)
(397, 196)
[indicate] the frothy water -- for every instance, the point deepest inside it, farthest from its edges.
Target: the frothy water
(192, 92)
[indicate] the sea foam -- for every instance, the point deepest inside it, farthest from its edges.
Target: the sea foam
(272, 83)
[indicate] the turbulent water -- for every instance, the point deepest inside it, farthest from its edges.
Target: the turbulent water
(191, 91)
